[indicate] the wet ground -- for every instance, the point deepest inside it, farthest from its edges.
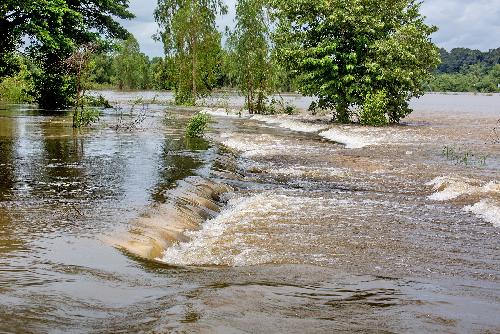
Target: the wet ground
(271, 224)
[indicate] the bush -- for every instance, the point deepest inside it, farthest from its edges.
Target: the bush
(85, 117)
(16, 88)
(373, 111)
(98, 101)
(278, 106)
(197, 125)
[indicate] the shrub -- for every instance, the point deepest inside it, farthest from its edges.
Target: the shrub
(374, 108)
(99, 101)
(16, 88)
(278, 106)
(197, 125)
(85, 116)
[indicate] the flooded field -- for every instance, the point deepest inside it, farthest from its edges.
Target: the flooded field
(271, 224)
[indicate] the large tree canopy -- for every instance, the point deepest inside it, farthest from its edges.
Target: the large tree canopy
(190, 36)
(54, 29)
(345, 52)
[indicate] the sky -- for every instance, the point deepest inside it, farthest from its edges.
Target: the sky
(473, 24)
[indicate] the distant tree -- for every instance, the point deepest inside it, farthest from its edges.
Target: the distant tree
(459, 59)
(102, 71)
(250, 50)
(345, 52)
(131, 66)
(190, 37)
(162, 73)
(476, 78)
(55, 28)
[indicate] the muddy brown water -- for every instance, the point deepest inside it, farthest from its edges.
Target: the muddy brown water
(270, 225)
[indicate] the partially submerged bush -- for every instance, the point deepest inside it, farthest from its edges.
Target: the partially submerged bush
(197, 125)
(85, 117)
(373, 111)
(279, 106)
(99, 101)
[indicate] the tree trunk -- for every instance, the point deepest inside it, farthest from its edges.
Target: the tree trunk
(193, 73)
(342, 113)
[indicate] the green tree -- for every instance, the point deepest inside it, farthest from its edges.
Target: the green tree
(162, 73)
(343, 51)
(131, 66)
(101, 70)
(55, 28)
(190, 37)
(250, 48)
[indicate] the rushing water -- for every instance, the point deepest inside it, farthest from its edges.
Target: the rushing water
(273, 224)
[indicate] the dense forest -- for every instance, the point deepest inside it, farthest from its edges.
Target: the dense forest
(466, 70)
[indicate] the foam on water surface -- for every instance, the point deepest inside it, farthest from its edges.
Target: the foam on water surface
(451, 187)
(291, 124)
(487, 210)
(221, 112)
(263, 145)
(264, 228)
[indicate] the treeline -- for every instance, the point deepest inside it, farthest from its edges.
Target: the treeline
(466, 70)
(125, 67)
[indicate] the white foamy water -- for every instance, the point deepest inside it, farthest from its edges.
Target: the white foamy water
(249, 148)
(303, 171)
(258, 229)
(486, 209)
(205, 247)
(221, 112)
(262, 145)
(291, 124)
(450, 187)
(363, 136)
(348, 138)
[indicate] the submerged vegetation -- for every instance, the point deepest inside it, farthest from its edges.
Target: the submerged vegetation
(464, 156)
(197, 125)
(343, 52)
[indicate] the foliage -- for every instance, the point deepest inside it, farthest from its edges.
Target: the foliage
(78, 63)
(131, 67)
(197, 125)
(101, 70)
(277, 105)
(99, 101)
(459, 59)
(162, 73)
(463, 156)
(373, 111)
(85, 117)
(342, 50)
(16, 88)
(475, 78)
(249, 45)
(190, 37)
(55, 28)
(131, 120)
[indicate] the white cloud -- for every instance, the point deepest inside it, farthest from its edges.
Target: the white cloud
(465, 23)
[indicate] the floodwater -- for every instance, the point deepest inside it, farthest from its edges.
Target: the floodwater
(270, 225)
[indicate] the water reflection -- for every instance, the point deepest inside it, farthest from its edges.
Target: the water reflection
(7, 156)
(176, 163)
